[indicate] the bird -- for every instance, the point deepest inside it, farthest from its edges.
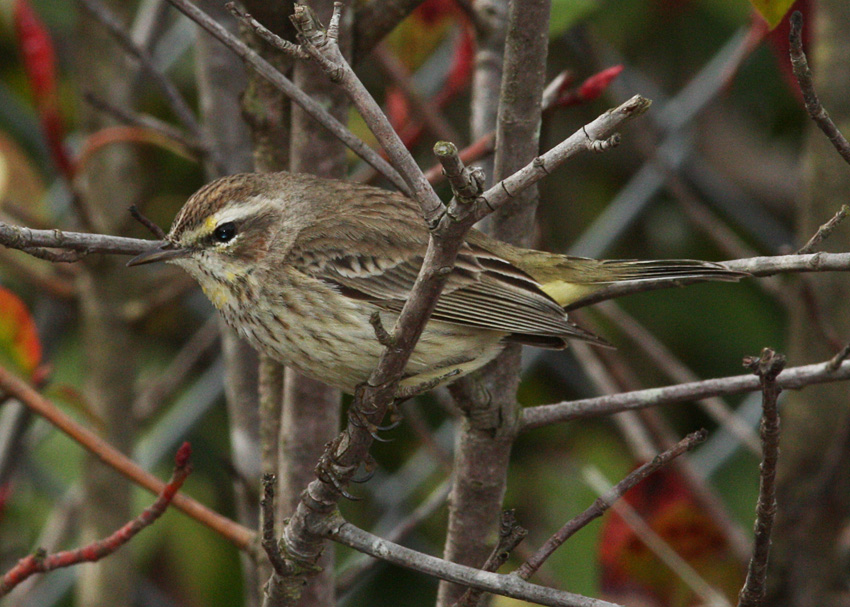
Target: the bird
(302, 267)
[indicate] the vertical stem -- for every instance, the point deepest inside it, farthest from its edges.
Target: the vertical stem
(221, 81)
(489, 398)
(815, 467)
(311, 408)
(113, 180)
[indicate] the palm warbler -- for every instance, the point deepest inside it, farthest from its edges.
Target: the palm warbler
(298, 265)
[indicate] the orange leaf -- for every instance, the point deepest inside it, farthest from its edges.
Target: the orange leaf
(19, 344)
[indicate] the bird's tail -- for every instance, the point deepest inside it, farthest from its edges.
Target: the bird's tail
(690, 269)
(575, 283)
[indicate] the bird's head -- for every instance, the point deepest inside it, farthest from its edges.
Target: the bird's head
(223, 232)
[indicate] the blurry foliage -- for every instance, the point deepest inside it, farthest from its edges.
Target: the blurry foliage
(710, 326)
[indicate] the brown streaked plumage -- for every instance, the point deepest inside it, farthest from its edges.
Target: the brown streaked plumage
(298, 264)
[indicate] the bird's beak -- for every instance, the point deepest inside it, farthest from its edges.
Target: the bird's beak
(162, 252)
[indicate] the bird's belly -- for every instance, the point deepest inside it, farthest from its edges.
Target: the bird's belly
(330, 337)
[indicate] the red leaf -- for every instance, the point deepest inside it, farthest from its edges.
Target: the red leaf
(594, 86)
(39, 61)
(667, 505)
(778, 40)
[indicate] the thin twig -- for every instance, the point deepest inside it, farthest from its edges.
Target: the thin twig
(767, 367)
(136, 214)
(510, 536)
(605, 501)
(835, 362)
(175, 100)
(54, 256)
(824, 231)
(818, 113)
(792, 378)
(678, 565)
(40, 562)
(148, 122)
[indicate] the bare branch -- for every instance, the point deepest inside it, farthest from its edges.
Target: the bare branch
(604, 502)
(585, 139)
(325, 51)
(506, 585)
(818, 113)
(16, 237)
(824, 231)
(790, 379)
(767, 367)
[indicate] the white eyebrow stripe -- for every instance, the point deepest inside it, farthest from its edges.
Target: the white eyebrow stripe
(238, 212)
(234, 214)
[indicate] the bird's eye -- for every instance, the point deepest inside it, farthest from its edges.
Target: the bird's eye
(225, 232)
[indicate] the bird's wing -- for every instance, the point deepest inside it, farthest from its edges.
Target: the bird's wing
(483, 290)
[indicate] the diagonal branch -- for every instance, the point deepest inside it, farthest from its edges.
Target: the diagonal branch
(814, 107)
(506, 585)
(10, 384)
(40, 562)
(286, 86)
(604, 502)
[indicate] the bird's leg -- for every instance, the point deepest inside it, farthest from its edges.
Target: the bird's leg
(330, 471)
(358, 417)
(369, 466)
(406, 392)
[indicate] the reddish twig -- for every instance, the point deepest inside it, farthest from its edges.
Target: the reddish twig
(241, 536)
(41, 562)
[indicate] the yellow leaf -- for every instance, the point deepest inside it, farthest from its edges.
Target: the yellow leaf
(772, 10)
